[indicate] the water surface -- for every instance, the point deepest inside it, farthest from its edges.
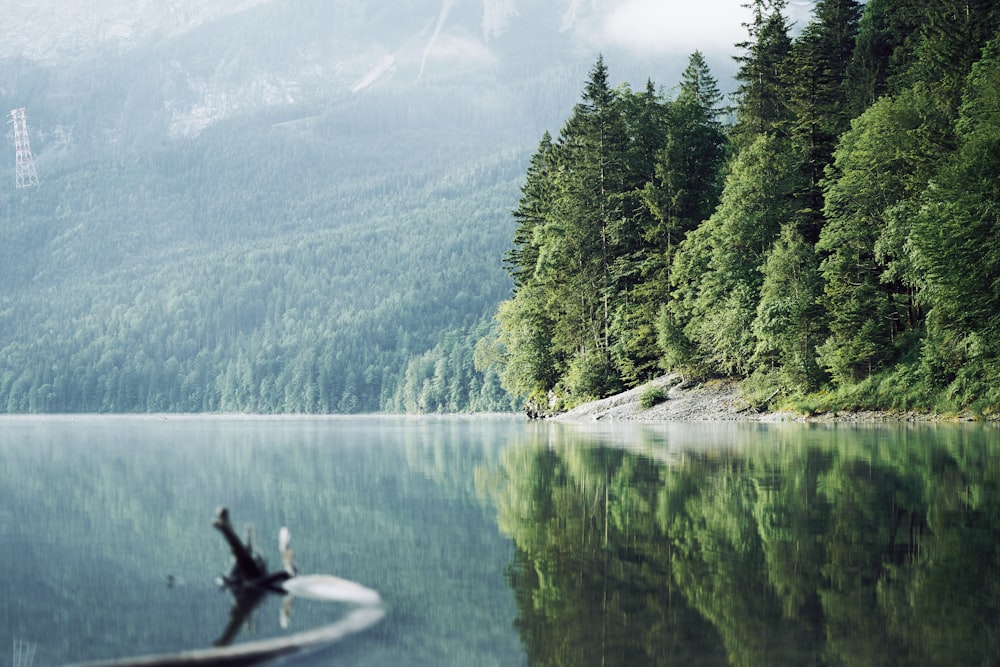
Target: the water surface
(502, 542)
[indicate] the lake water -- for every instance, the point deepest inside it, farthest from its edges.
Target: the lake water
(496, 541)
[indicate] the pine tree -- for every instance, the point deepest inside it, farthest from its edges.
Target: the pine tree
(634, 351)
(818, 99)
(885, 51)
(646, 116)
(692, 158)
(533, 210)
(683, 192)
(593, 178)
(952, 37)
(557, 327)
(761, 99)
(687, 182)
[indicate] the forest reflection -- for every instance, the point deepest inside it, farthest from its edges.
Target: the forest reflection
(821, 547)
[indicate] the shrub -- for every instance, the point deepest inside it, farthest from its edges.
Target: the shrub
(652, 396)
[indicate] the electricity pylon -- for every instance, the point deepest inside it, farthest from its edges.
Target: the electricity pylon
(24, 165)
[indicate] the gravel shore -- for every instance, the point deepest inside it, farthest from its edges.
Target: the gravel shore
(716, 400)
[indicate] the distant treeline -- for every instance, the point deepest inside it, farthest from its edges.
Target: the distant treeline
(291, 272)
(835, 247)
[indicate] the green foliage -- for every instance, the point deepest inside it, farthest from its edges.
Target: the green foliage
(651, 396)
(836, 247)
(815, 78)
(888, 33)
(763, 100)
(717, 268)
(955, 241)
(448, 379)
(953, 35)
(790, 322)
(629, 173)
(884, 161)
(161, 296)
(529, 366)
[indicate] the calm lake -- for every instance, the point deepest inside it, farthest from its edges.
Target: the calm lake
(496, 541)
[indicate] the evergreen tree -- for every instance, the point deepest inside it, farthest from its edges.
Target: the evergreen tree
(691, 162)
(580, 205)
(885, 51)
(634, 352)
(646, 119)
(817, 99)
(761, 96)
(952, 37)
(531, 214)
(592, 180)
(683, 192)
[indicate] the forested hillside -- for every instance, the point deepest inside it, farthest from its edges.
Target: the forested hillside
(835, 247)
(130, 286)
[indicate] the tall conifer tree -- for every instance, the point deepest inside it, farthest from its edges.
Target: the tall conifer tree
(592, 180)
(531, 214)
(953, 35)
(761, 98)
(885, 50)
(683, 192)
(818, 99)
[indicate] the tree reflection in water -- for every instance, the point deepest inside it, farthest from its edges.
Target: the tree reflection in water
(824, 549)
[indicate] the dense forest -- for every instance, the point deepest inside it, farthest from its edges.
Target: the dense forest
(216, 274)
(833, 247)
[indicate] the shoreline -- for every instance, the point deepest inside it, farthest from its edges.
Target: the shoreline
(718, 400)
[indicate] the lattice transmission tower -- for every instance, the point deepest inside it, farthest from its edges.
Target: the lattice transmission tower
(24, 165)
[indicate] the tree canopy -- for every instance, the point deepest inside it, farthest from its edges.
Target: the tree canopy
(838, 236)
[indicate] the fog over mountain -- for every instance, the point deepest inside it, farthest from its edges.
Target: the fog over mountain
(179, 66)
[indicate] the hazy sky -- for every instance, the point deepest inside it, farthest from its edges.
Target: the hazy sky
(646, 27)
(659, 27)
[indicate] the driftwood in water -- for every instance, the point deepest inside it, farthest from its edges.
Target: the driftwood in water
(250, 582)
(249, 570)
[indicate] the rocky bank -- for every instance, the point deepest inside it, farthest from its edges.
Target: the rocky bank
(715, 400)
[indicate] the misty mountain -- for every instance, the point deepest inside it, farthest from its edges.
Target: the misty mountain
(116, 73)
(286, 205)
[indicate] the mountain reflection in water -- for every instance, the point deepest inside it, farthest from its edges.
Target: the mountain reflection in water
(828, 546)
